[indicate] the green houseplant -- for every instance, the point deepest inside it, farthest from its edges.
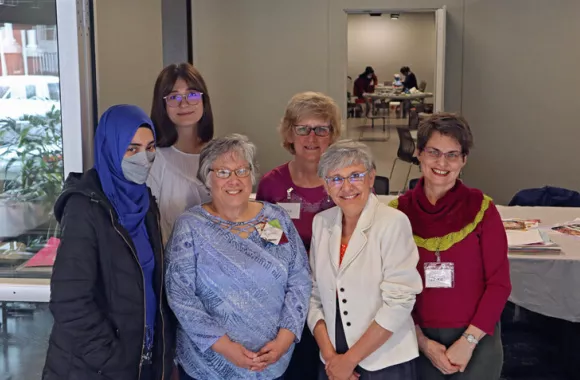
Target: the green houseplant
(32, 145)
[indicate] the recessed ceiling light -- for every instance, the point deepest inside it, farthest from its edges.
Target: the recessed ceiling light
(394, 16)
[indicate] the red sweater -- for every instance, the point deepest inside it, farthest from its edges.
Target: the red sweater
(482, 278)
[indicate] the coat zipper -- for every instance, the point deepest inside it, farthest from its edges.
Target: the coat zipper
(144, 298)
(161, 298)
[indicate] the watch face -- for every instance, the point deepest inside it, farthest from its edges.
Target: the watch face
(470, 338)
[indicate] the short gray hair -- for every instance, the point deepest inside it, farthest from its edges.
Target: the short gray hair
(345, 153)
(234, 143)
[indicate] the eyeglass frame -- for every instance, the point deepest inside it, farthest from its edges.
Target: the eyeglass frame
(249, 169)
(438, 154)
(310, 129)
(361, 176)
(184, 97)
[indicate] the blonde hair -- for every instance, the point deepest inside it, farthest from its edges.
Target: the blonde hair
(309, 105)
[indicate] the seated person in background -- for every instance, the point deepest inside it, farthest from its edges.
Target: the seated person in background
(409, 83)
(410, 78)
(365, 82)
(237, 279)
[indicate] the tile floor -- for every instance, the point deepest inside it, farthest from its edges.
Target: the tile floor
(384, 151)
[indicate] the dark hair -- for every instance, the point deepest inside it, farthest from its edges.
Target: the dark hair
(164, 127)
(405, 70)
(448, 124)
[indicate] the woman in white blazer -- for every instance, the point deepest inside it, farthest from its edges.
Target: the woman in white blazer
(365, 280)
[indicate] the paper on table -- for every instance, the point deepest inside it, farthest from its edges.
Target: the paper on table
(569, 228)
(516, 237)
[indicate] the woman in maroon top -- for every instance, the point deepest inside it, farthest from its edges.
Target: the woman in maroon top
(463, 259)
(311, 123)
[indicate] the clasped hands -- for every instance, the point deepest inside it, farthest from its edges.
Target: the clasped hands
(340, 366)
(449, 360)
(254, 361)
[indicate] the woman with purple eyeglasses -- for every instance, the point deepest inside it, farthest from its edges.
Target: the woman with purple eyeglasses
(183, 120)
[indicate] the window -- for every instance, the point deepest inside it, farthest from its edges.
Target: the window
(30, 91)
(54, 92)
(34, 134)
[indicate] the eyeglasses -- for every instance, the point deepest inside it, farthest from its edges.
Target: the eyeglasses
(353, 179)
(226, 173)
(192, 98)
(452, 156)
(304, 130)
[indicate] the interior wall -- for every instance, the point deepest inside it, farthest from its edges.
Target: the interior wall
(387, 45)
(256, 54)
(520, 94)
(128, 51)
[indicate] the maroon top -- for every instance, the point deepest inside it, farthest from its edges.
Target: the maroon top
(482, 277)
(273, 188)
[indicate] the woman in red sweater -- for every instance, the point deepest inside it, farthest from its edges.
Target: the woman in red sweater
(462, 259)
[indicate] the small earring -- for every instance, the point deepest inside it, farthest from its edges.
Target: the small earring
(328, 198)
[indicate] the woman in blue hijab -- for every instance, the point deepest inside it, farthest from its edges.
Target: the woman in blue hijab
(111, 319)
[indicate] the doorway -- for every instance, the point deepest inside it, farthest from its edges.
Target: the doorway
(395, 60)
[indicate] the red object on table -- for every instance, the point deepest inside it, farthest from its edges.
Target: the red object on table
(45, 257)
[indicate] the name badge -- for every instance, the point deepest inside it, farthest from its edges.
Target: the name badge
(439, 275)
(271, 232)
(293, 209)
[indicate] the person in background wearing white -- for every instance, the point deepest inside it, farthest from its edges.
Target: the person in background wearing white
(183, 119)
(365, 279)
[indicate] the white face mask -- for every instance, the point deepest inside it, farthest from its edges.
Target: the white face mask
(370, 76)
(136, 168)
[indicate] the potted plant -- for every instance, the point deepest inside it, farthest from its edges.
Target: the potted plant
(31, 161)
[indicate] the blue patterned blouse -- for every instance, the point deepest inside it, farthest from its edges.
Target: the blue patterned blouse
(220, 283)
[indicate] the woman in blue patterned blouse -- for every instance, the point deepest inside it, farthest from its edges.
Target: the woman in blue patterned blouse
(237, 278)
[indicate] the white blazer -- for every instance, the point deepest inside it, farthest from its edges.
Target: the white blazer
(378, 280)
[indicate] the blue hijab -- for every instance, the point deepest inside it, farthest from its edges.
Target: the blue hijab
(115, 132)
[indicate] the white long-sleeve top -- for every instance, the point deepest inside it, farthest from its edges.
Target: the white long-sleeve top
(377, 280)
(174, 184)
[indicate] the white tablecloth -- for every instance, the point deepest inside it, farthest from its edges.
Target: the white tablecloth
(548, 284)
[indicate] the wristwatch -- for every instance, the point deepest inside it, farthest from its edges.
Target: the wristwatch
(470, 338)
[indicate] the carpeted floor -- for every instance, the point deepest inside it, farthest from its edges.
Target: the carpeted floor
(536, 348)
(539, 347)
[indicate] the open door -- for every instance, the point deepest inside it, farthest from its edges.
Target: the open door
(440, 26)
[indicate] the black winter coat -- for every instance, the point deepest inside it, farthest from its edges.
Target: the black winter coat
(97, 292)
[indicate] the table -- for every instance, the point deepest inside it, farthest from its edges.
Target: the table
(547, 284)
(386, 98)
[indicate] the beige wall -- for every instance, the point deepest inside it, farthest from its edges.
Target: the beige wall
(514, 76)
(387, 44)
(520, 94)
(255, 54)
(128, 51)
